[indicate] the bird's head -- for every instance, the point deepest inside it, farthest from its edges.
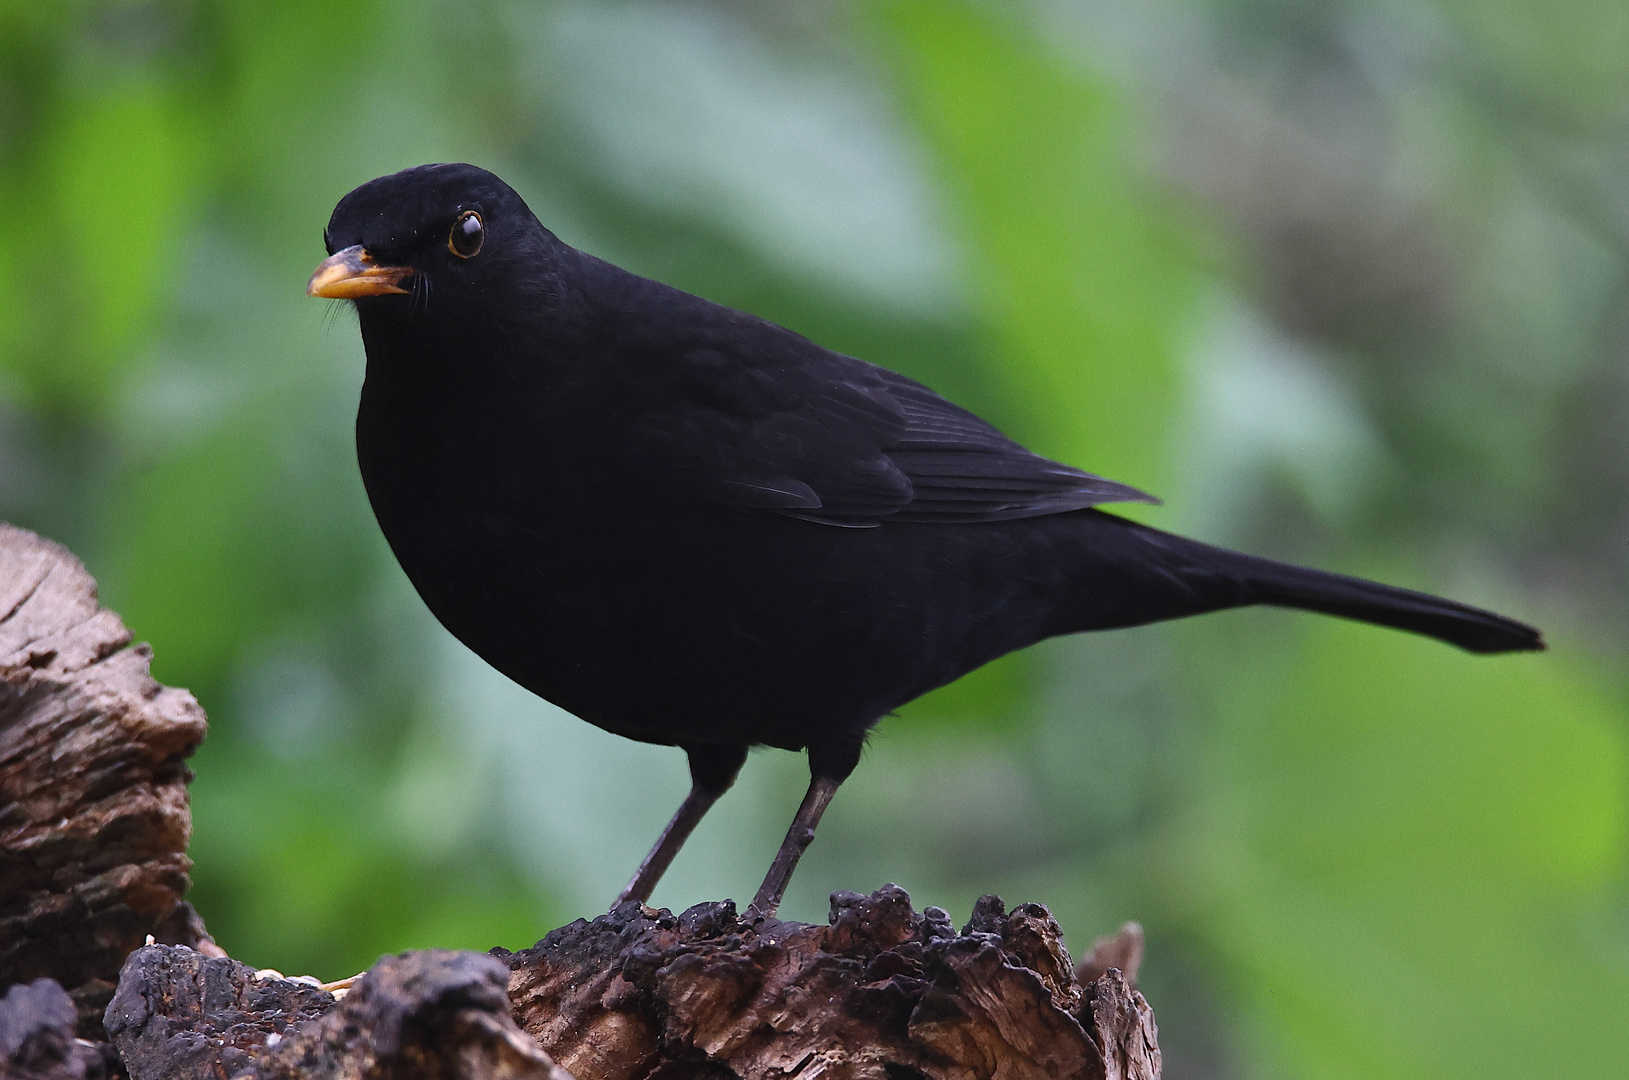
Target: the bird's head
(433, 230)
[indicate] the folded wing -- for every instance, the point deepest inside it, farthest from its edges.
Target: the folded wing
(755, 417)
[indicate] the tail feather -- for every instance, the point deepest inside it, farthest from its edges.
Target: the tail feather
(1137, 575)
(1470, 628)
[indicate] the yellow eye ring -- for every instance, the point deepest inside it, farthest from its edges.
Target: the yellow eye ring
(467, 235)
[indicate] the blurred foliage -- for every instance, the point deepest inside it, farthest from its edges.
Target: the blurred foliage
(1345, 282)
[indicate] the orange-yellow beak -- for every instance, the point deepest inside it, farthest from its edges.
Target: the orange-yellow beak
(348, 274)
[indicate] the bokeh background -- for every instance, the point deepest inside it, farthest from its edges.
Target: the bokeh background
(1345, 282)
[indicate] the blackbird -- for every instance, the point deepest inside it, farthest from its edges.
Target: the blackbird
(696, 528)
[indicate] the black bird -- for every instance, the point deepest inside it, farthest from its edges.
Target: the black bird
(692, 527)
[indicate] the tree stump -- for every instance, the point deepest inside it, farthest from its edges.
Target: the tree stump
(881, 992)
(94, 824)
(94, 820)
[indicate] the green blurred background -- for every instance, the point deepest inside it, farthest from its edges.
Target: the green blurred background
(1345, 282)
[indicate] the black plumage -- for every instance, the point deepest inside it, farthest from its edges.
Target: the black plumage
(693, 527)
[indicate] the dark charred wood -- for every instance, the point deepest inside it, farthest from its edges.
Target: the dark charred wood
(38, 1041)
(435, 1015)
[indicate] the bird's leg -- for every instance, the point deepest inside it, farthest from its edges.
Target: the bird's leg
(830, 763)
(798, 838)
(712, 771)
(689, 815)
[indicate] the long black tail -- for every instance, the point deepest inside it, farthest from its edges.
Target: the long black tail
(1385, 605)
(1156, 575)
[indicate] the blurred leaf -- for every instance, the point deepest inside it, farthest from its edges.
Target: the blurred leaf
(1572, 54)
(1084, 280)
(97, 239)
(298, 869)
(121, 173)
(1412, 841)
(1082, 284)
(194, 545)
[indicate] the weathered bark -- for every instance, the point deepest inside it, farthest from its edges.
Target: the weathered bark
(94, 820)
(37, 1041)
(438, 1014)
(93, 830)
(881, 992)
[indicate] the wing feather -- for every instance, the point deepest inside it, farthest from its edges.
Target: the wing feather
(756, 417)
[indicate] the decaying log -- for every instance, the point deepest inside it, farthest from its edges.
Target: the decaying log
(436, 1014)
(882, 992)
(93, 799)
(93, 830)
(37, 1040)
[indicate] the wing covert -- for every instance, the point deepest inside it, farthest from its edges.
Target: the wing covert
(755, 417)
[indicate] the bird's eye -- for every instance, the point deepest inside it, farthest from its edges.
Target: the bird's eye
(467, 234)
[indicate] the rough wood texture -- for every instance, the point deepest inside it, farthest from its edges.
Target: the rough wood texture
(434, 1015)
(880, 993)
(37, 1041)
(93, 800)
